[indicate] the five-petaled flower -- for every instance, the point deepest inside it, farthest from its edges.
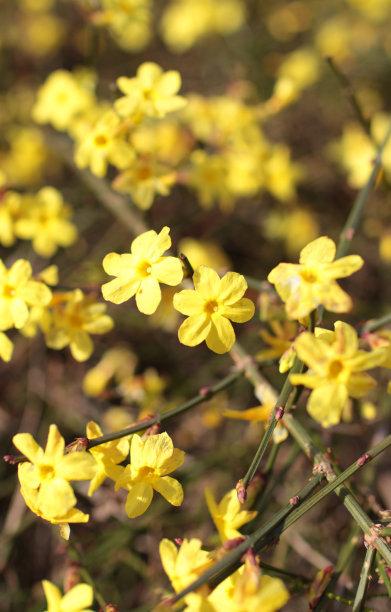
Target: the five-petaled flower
(336, 370)
(140, 271)
(18, 293)
(228, 515)
(183, 565)
(211, 306)
(151, 459)
(105, 455)
(45, 477)
(311, 282)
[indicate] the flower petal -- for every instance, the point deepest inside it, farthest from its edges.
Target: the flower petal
(53, 595)
(78, 465)
(321, 250)
(118, 265)
(344, 266)
(55, 444)
(168, 555)
(232, 287)
(139, 499)
(148, 296)
(221, 336)
(207, 282)
(168, 270)
(26, 444)
(170, 488)
(19, 272)
(151, 245)
(239, 312)
(188, 302)
(172, 463)
(334, 298)
(326, 404)
(119, 290)
(81, 346)
(55, 498)
(157, 449)
(194, 329)
(78, 598)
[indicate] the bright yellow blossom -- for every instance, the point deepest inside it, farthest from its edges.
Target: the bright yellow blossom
(151, 93)
(306, 285)
(145, 179)
(110, 453)
(183, 565)
(228, 515)
(71, 319)
(129, 22)
(211, 307)
(104, 144)
(140, 271)
(18, 293)
(6, 347)
(151, 459)
(336, 370)
(249, 591)
(78, 599)
(45, 477)
(61, 99)
(47, 222)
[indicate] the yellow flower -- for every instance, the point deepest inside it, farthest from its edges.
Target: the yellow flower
(129, 22)
(73, 316)
(210, 307)
(259, 414)
(77, 599)
(109, 453)
(228, 515)
(140, 271)
(248, 591)
(104, 144)
(306, 285)
(151, 93)
(144, 180)
(151, 459)
(336, 370)
(280, 344)
(46, 222)
(18, 293)
(11, 205)
(118, 363)
(208, 176)
(45, 477)
(6, 347)
(185, 564)
(61, 99)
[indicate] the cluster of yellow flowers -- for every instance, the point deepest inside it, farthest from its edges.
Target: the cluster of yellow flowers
(215, 145)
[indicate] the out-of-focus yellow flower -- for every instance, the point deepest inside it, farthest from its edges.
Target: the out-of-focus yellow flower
(110, 453)
(164, 140)
(45, 477)
(43, 33)
(145, 179)
(46, 222)
(336, 370)
(71, 319)
(228, 515)
(280, 343)
(140, 271)
(208, 175)
(286, 21)
(281, 175)
(129, 22)
(18, 293)
(210, 307)
(104, 144)
(185, 22)
(368, 410)
(296, 228)
(118, 363)
(184, 565)
(6, 347)
(204, 253)
(312, 282)
(151, 459)
(248, 591)
(165, 316)
(11, 206)
(297, 72)
(151, 93)
(78, 599)
(376, 10)
(24, 162)
(260, 414)
(384, 246)
(61, 99)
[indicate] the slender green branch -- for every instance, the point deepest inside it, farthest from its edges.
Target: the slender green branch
(202, 396)
(254, 283)
(375, 324)
(386, 532)
(383, 574)
(359, 600)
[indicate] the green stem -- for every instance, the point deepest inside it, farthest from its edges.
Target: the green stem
(383, 574)
(359, 600)
(386, 532)
(254, 283)
(374, 324)
(159, 418)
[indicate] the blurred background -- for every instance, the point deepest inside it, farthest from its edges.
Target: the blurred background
(287, 103)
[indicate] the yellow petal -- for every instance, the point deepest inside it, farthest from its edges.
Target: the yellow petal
(346, 340)
(232, 288)
(157, 449)
(93, 430)
(194, 330)
(221, 336)
(168, 555)
(78, 598)
(36, 293)
(118, 265)
(344, 266)
(312, 351)
(52, 594)
(207, 282)
(168, 270)
(360, 384)
(55, 444)
(188, 302)
(78, 465)
(170, 489)
(139, 499)
(239, 312)
(321, 250)
(26, 444)
(6, 347)
(119, 290)
(334, 298)
(172, 463)
(55, 498)
(19, 272)
(326, 404)
(81, 346)
(150, 245)
(19, 312)
(148, 296)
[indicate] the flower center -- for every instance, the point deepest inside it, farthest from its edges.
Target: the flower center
(335, 368)
(8, 291)
(309, 276)
(100, 140)
(144, 268)
(211, 306)
(145, 472)
(46, 472)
